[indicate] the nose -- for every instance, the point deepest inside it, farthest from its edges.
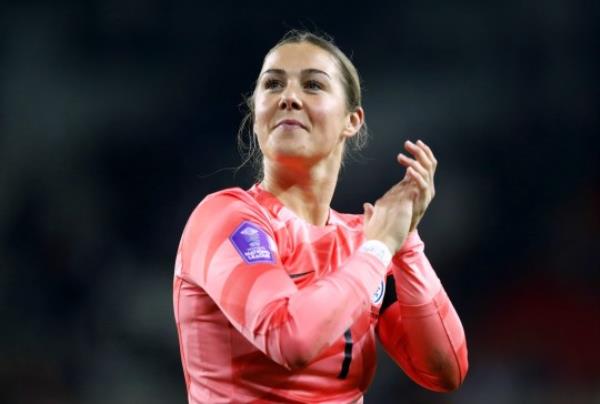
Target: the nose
(289, 100)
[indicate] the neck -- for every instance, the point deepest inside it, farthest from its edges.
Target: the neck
(304, 188)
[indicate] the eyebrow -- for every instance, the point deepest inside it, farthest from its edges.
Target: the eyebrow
(305, 71)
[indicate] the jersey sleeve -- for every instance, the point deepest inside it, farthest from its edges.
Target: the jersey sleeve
(418, 326)
(228, 249)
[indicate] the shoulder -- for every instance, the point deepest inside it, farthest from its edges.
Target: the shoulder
(226, 202)
(228, 224)
(222, 212)
(227, 196)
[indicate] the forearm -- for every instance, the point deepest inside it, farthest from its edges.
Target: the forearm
(435, 344)
(254, 290)
(298, 328)
(290, 325)
(421, 329)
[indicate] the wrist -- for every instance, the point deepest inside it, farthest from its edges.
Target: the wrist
(412, 243)
(379, 250)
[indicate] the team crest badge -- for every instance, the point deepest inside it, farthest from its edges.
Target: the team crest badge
(378, 295)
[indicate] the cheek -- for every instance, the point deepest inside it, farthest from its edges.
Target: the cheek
(263, 109)
(329, 116)
(259, 109)
(261, 115)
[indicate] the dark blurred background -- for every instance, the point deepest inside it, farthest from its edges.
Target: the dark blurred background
(114, 113)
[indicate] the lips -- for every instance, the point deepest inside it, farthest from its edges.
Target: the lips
(290, 122)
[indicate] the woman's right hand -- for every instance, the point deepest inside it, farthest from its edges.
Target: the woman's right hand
(389, 220)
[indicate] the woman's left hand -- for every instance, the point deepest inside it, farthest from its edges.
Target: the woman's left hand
(421, 170)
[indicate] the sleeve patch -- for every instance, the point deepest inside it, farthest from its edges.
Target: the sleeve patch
(252, 243)
(379, 293)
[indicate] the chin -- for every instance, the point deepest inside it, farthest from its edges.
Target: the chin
(289, 148)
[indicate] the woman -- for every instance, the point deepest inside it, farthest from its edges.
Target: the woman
(277, 297)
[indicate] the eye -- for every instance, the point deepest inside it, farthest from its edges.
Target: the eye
(313, 85)
(271, 84)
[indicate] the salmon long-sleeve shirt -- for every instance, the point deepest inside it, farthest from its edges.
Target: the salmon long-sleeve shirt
(270, 308)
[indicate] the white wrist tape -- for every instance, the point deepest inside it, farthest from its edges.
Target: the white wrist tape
(378, 249)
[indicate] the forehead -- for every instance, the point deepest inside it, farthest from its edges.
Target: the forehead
(295, 57)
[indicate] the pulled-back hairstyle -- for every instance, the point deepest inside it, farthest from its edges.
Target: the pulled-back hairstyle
(247, 141)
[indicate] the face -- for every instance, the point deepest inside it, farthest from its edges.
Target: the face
(300, 105)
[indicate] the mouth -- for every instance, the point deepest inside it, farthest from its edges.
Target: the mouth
(290, 123)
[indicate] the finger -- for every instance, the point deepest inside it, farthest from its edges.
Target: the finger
(408, 162)
(419, 154)
(428, 151)
(419, 179)
(424, 155)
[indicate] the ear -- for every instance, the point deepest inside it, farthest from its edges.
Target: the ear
(354, 121)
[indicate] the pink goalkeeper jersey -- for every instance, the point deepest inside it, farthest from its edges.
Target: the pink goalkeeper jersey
(270, 308)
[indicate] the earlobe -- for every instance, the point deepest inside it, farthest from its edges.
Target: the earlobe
(354, 122)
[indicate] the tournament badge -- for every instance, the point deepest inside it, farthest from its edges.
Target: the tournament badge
(252, 243)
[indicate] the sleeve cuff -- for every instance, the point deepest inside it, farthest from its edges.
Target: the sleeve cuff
(412, 243)
(378, 250)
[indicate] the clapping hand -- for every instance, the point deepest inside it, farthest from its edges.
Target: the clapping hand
(401, 208)
(420, 170)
